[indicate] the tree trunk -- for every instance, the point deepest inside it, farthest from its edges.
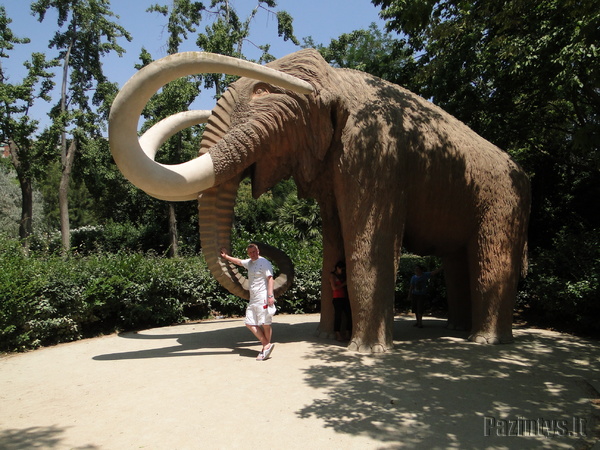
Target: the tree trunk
(26, 222)
(173, 236)
(67, 157)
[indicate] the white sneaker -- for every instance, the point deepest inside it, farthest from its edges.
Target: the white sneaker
(267, 352)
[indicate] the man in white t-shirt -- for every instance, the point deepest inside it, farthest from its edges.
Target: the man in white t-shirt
(260, 280)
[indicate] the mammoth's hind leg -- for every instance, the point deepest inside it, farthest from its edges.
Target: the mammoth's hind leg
(456, 276)
(494, 268)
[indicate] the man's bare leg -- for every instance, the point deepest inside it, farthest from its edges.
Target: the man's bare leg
(260, 335)
(267, 349)
(263, 333)
(268, 332)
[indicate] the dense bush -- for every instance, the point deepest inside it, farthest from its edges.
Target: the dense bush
(49, 299)
(114, 236)
(562, 288)
(20, 284)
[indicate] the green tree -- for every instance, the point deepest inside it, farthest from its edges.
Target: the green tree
(372, 51)
(298, 218)
(259, 215)
(11, 201)
(17, 128)
(183, 18)
(175, 97)
(227, 35)
(86, 33)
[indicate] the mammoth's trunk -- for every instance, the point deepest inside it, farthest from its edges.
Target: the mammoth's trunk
(215, 218)
(216, 206)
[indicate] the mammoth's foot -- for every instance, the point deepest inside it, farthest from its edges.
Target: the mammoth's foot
(491, 338)
(356, 345)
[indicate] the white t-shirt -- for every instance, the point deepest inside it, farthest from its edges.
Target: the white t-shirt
(258, 273)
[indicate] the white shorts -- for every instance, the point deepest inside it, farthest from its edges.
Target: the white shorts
(256, 314)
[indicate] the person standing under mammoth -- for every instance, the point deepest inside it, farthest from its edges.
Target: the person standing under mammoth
(341, 303)
(260, 279)
(417, 292)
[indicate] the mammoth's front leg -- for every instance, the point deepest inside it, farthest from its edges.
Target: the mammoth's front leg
(371, 281)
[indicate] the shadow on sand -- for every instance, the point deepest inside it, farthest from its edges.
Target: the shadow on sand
(35, 437)
(201, 342)
(435, 390)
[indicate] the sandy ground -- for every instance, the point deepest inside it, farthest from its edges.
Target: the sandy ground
(198, 386)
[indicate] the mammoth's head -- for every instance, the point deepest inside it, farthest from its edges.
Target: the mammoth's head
(255, 112)
(135, 157)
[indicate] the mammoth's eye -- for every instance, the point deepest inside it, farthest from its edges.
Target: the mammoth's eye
(261, 89)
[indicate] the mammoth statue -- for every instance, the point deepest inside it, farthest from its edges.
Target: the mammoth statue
(388, 169)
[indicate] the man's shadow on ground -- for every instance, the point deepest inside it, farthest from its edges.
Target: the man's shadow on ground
(202, 340)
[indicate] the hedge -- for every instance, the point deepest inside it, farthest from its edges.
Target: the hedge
(48, 300)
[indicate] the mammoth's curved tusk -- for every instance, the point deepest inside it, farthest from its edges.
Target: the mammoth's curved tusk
(186, 179)
(152, 139)
(156, 136)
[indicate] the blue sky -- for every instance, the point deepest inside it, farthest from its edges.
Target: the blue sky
(322, 19)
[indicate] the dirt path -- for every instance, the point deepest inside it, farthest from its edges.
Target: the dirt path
(198, 386)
